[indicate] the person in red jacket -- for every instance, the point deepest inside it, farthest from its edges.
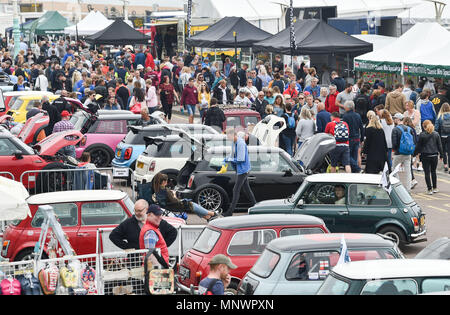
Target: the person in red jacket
(149, 61)
(189, 99)
(150, 236)
(330, 101)
(340, 154)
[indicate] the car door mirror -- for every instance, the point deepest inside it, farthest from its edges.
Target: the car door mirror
(18, 155)
(288, 173)
(300, 203)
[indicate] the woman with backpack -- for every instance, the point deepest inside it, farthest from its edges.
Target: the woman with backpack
(288, 135)
(443, 128)
(426, 108)
(429, 147)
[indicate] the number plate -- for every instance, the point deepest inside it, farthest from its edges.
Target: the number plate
(140, 165)
(120, 172)
(184, 272)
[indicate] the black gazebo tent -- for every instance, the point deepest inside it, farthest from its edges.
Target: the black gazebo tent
(314, 37)
(221, 34)
(118, 33)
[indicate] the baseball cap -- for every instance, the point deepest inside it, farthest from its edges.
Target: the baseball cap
(399, 116)
(222, 259)
(140, 67)
(65, 113)
(155, 209)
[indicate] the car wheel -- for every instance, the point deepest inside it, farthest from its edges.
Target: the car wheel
(172, 181)
(395, 233)
(100, 157)
(211, 198)
(27, 254)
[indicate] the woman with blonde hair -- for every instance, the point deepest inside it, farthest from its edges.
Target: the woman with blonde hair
(375, 146)
(429, 147)
(306, 126)
(76, 76)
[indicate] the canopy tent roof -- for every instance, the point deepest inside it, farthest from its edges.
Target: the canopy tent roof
(424, 12)
(314, 37)
(52, 22)
(221, 34)
(94, 22)
(432, 63)
(118, 33)
(13, 195)
(390, 58)
(378, 41)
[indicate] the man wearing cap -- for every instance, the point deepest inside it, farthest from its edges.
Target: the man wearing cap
(219, 277)
(150, 235)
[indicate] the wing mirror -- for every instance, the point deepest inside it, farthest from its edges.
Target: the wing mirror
(18, 155)
(288, 173)
(300, 203)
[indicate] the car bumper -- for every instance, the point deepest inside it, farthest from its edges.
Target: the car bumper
(419, 237)
(119, 164)
(185, 194)
(142, 179)
(181, 287)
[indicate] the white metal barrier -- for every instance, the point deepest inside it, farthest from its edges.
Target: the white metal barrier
(52, 180)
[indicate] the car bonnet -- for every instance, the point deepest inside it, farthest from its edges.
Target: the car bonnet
(32, 125)
(55, 142)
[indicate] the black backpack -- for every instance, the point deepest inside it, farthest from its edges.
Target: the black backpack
(445, 127)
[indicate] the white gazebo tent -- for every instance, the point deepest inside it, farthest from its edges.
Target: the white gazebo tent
(94, 22)
(391, 58)
(14, 206)
(378, 41)
(433, 63)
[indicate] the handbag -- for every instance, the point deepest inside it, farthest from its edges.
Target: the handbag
(115, 271)
(48, 278)
(30, 285)
(69, 277)
(10, 286)
(88, 280)
(136, 108)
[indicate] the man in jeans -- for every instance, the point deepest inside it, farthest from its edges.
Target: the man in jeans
(398, 157)
(340, 154)
(356, 133)
(241, 162)
(189, 99)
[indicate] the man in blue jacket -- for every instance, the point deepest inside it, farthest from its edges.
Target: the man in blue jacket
(241, 162)
(323, 118)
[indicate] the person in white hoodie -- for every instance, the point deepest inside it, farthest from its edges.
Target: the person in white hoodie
(41, 83)
(151, 97)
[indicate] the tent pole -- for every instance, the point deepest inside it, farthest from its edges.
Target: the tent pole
(348, 65)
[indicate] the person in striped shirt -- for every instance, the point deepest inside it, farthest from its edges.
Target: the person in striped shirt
(63, 125)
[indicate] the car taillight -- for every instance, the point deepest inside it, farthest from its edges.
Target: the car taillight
(127, 154)
(5, 248)
(191, 181)
(198, 276)
(416, 224)
(152, 166)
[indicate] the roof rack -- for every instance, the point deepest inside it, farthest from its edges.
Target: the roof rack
(233, 106)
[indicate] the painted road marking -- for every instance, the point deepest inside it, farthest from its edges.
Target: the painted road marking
(439, 209)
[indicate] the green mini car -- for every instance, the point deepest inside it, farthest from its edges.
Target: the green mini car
(355, 203)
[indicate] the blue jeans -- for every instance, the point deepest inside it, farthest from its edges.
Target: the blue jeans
(69, 151)
(199, 210)
(354, 146)
(389, 156)
(191, 109)
(288, 142)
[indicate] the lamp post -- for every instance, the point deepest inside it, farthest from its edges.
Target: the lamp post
(235, 50)
(16, 31)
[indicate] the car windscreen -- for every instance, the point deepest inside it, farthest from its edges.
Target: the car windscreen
(22, 146)
(333, 286)
(17, 104)
(79, 119)
(266, 264)
(403, 194)
(206, 241)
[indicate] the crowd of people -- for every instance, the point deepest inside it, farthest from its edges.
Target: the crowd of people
(363, 117)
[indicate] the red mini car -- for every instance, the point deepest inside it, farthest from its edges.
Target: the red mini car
(16, 157)
(240, 117)
(80, 214)
(243, 239)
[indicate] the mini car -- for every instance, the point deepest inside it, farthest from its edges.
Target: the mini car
(297, 265)
(388, 277)
(103, 134)
(243, 239)
(17, 157)
(354, 203)
(19, 109)
(130, 148)
(168, 154)
(439, 249)
(33, 127)
(237, 116)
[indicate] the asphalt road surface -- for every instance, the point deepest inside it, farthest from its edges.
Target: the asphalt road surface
(436, 207)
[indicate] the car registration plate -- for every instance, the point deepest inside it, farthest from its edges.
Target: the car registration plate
(120, 172)
(140, 165)
(184, 272)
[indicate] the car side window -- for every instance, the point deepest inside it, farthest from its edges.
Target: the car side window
(7, 148)
(324, 193)
(250, 120)
(368, 195)
(102, 213)
(31, 104)
(112, 127)
(247, 243)
(435, 285)
(391, 287)
(300, 231)
(233, 121)
(309, 266)
(67, 214)
(269, 162)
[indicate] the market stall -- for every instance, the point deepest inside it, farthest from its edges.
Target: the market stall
(94, 22)
(118, 33)
(51, 23)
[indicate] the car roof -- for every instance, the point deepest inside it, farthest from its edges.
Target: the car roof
(171, 126)
(37, 97)
(207, 137)
(251, 149)
(25, 93)
(264, 220)
(328, 242)
(76, 196)
(118, 117)
(393, 268)
(347, 178)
